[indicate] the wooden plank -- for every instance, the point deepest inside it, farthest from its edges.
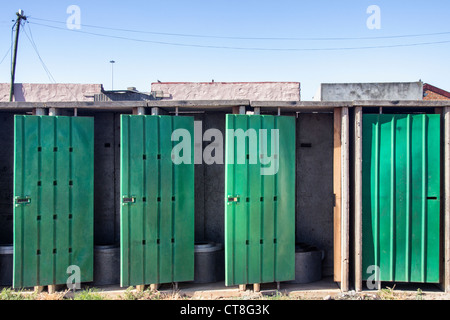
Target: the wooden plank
(337, 195)
(447, 199)
(442, 232)
(358, 199)
(345, 200)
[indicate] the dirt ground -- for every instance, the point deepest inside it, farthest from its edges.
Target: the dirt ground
(325, 289)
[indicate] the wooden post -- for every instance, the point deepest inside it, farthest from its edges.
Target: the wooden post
(242, 287)
(39, 112)
(358, 198)
(345, 200)
(51, 288)
(155, 111)
(38, 289)
(256, 287)
(140, 288)
(337, 195)
(239, 110)
(154, 287)
(139, 111)
(447, 199)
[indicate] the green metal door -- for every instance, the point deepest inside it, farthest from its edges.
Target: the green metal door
(157, 212)
(401, 197)
(53, 199)
(259, 199)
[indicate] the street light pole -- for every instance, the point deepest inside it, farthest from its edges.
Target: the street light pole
(112, 74)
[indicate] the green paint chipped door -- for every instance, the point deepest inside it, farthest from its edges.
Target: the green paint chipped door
(259, 199)
(53, 199)
(401, 197)
(157, 199)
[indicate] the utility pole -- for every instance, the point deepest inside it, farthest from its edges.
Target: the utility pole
(20, 17)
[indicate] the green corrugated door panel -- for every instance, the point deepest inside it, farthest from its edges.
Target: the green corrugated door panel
(401, 197)
(157, 212)
(53, 199)
(259, 199)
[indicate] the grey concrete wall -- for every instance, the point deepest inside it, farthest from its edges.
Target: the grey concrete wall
(314, 186)
(214, 187)
(210, 188)
(371, 91)
(6, 177)
(106, 228)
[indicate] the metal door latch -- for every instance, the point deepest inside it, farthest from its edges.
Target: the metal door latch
(232, 199)
(19, 200)
(126, 200)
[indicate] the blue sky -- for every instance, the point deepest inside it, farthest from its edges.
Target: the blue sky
(80, 57)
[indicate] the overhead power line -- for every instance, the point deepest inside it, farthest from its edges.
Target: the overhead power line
(6, 54)
(33, 44)
(44, 66)
(254, 38)
(244, 48)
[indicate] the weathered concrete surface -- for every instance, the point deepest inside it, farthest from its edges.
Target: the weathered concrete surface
(105, 225)
(214, 186)
(267, 91)
(370, 91)
(53, 92)
(314, 192)
(210, 187)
